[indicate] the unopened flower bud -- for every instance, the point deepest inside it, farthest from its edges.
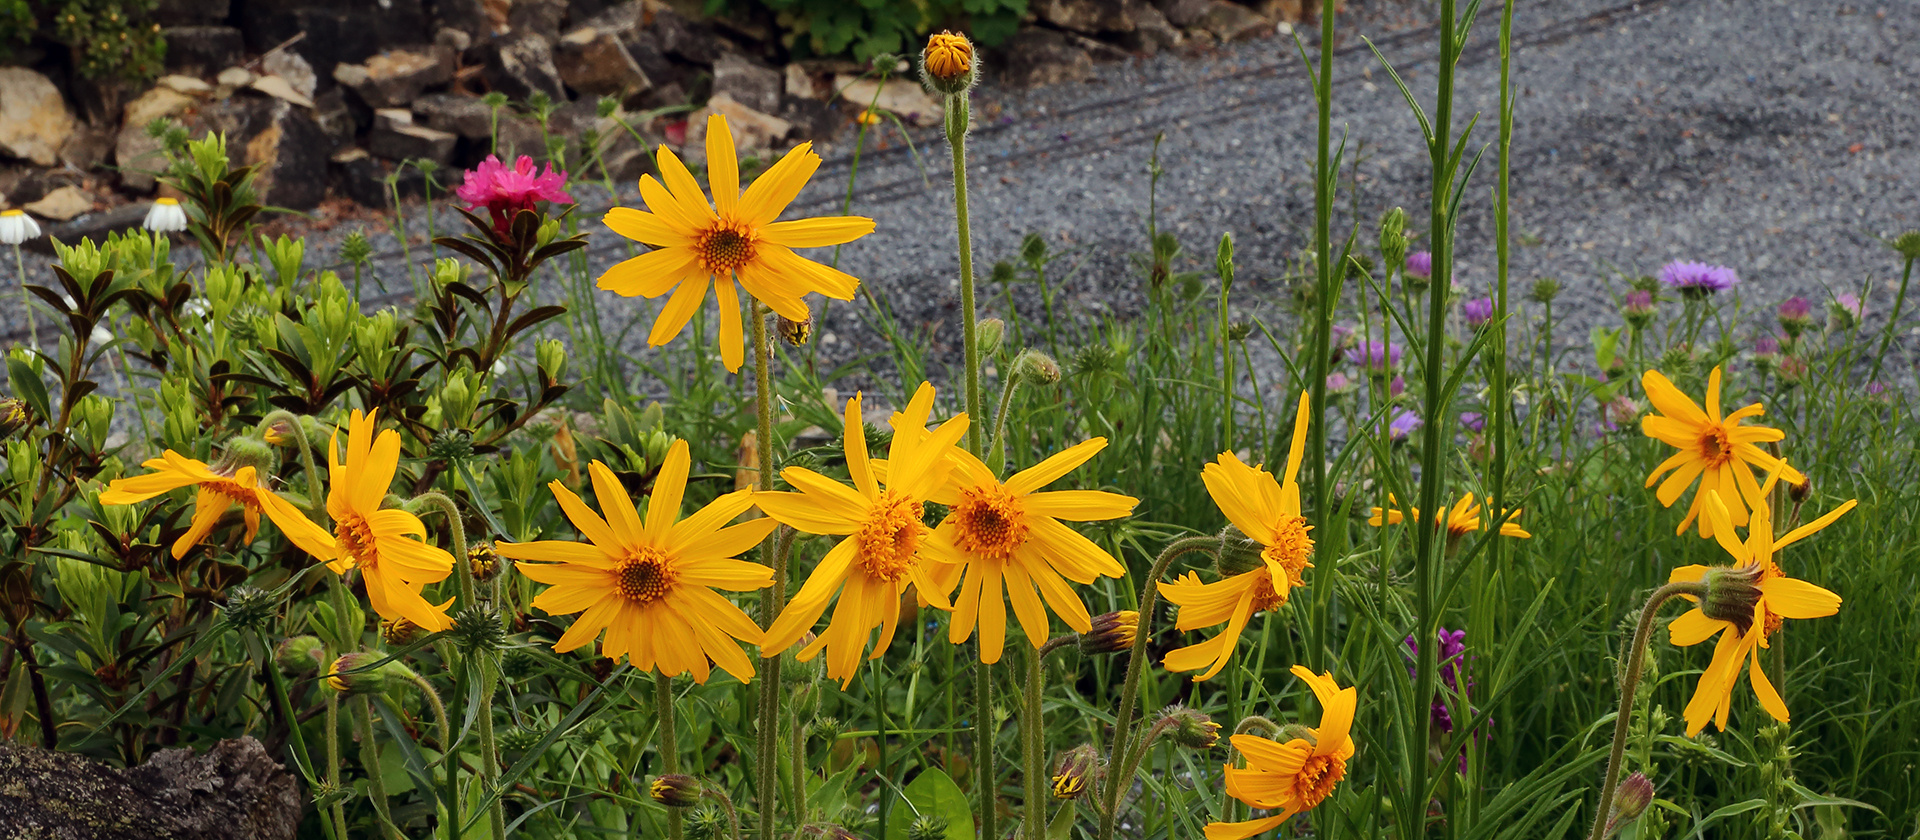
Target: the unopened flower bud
(484, 561)
(399, 631)
(794, 333)
(1732, 592)
(675, 790)
(1112, 632)
(1544, 290)
(1075, 773)
(1638, 308)
(1037, 366)
(927, 827)
(707, 823)
(1238, 554)
(1393, 237)
(1223, 260)
(990, 332)
(477, 629)
(451, 444)
(1799, 492)
(1190, 728)
(1908, 244)
(1239, 330)
(249, 608)
(13, 417)
(551, 356)
(299, 655)
(350, 673)
(1630, 800)
(948, 64)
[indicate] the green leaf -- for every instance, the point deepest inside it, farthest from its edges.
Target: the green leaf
(28, 387)
(932, 792)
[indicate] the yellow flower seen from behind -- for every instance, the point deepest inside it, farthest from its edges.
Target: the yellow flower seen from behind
(649, 583)
(733, 239)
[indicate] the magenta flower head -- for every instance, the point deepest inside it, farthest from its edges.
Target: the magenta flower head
(1397, 386)
(1477, 312)
(1338, 383)
(505, 191)
(1403, 425)
(1766, 346)
(1698, 280)
(1377, 357)
(1473, 420)
(1638, 308)
(1845, 311)
(1420, 264)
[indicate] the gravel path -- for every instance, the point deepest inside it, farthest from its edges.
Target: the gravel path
(1773, 136)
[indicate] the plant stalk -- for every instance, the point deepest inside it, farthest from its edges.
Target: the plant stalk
(1629, 679)
(1033, 749)
(669, 746)
(774, 598)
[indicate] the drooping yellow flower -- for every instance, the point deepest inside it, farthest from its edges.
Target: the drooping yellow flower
(1716, 449)
(650, 584)
(1299, 774)
(216, 492)
(384, 544)
(1007, 536)
(886, 546)
(735, 238)
(1462, 519)
(1267, 512)
(1748, 601)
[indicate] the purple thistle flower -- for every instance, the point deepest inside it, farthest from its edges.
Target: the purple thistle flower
(1338, 383)
(1639, 302)
(1473, 420)
(1766, 346)
(1397, 386)
(1377, 356)
(1796, 308)
(1403, 425)
(1699, 279)
(1420, 264)
(1846, 310)
(1477, 311)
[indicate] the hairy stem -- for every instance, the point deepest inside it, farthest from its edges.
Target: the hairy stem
(773, 598)
(1629, 679)
(669, 746)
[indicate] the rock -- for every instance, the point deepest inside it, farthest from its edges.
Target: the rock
(288, 65)
(185, 84)
(801, 82)
(1037, 56)
(1283, 11)
(1097, 49)
(94, 226)
(1232, 21)
(411, 142)
(395, 78)
(137, 156)
(518, 65)
(61, 204)
(680, 37)
(234, 791)
(189, 13)
(448, 38)
(751, 129)
(1152, 32)
(356, 175)
(87, 147)
(234, 77)
(289, 153)
(540, 17)
(202, 50)
(595, 63)
(750, 83)
(336, 119)
(337, 31)
(472, 120)
(34, 119)
(476, 19)
(1089, 16)
(812, 118)
(278, 88)
(907, 99)
(387, 119)
(1184, 14)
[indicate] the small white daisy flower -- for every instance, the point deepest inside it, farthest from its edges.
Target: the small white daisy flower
(166, 216)
(17, 227)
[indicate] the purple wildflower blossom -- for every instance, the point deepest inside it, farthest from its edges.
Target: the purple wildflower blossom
(1377, 356)
(1403, 425)
(1698, 278)
(1420, 264)
(1473, 420)
(1477, 311)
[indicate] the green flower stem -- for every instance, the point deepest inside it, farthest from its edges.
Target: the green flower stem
(1131, 764)
(1886, 335)
(370, 759)
(337, 595)
(1033, 748)
(773, 598)
(958, 117)
(480, 667)
(1129, 691)
(439, 714)
(997, 454)
(316, 498)
(726, 803)
(984, 729)
(26, 300)
(1225, 346)
(1629, 679)
(669, 746)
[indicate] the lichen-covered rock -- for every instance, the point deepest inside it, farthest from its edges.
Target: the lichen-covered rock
(234, 791)
(34, 119)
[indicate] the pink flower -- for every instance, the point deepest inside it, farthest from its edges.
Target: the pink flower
(506, 191)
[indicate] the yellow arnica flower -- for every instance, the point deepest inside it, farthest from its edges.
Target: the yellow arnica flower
(735, 238)
(649, 583)
(217, 491)
(1008, 536)
(1716, 449)
(1753, 584)
(886, 546)
(1462, 519)
(1299, 774)
(384, 545)
(1268, 512)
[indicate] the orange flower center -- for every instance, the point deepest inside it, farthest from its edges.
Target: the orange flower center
(355, 537)
(991, 521)
(1315, 781)
(1290, 550)
(1265, 597)
(723, 249)
(645, 576)
(891, 536)
(1715, 449)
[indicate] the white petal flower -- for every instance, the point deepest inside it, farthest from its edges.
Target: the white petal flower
(197, 307)
(166, 216)
(17, 227)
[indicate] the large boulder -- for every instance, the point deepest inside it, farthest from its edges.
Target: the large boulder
(138, 156)
(1232, 21)
(233, 791)
(518, 65)
(394, 78)
(901, 97)
(1038, 56)
(34, 118)
(202, 50)
(592, 61)
(1088, 16)
(749, 82)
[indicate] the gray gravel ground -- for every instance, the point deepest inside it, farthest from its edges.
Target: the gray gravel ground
(1773, 136)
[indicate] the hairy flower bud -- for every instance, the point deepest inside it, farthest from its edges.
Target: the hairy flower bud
(794, 333)
(1238, 554)
(1732, 592)
(451, 444)
(1393, 238)
(1908, 244)
(990, 332)
(484, 561)
(299, 655)
(927, 827)
(1076, 772)
(1544, 290)
(14, 417)
(1112, 633)
(675, 790)
(1037, 366)
(949, 64)
(477, 629)
(707, 823)
(248, 608)
(398, 631)
(350, 673)
(1190, 728)
(1799, 492)
(1630, 800)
